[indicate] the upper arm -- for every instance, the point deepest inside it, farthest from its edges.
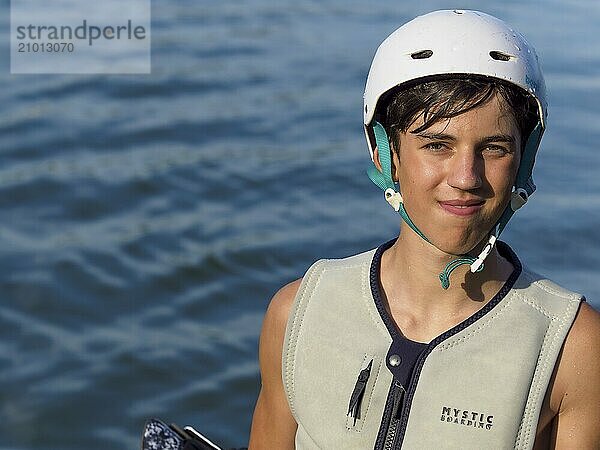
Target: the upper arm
(578, 380)
(273, 425)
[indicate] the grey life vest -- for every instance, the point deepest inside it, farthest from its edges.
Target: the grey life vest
(354, 382)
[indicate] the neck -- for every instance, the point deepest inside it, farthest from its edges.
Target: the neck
(410, 279)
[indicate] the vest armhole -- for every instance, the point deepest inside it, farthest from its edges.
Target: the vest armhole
(555, 337)
(292, 332)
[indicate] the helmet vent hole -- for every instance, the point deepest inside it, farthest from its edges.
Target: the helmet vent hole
(423, 54)
(500, 56)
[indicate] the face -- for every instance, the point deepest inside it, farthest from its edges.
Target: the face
(456, 176)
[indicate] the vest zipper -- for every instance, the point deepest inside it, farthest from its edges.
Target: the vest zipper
(394, 418)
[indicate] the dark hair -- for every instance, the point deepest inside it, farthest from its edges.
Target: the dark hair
(445, 98)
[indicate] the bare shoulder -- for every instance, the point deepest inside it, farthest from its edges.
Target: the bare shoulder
(586, 328)
(273, 425)
(581, 349)
(279, 308)
(273, 334)
(577, 385)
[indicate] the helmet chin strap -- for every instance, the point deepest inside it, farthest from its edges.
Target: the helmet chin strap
(392, 195)
(384, 179)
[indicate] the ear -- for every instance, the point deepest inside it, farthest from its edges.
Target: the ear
(395, 163)
(376, 159)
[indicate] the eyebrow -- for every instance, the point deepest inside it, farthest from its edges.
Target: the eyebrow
(435, 136)
(499, 138)
(448, 137)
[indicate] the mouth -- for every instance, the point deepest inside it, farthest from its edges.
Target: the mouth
(462, 207)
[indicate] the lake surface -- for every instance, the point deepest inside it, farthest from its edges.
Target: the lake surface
(148, 219)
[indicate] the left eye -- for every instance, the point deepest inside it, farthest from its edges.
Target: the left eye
(495, 150)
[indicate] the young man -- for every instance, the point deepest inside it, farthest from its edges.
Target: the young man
(439, 338)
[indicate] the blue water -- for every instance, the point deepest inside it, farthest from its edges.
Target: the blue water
(148, 219)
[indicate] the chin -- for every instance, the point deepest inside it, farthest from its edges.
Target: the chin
(462, 246)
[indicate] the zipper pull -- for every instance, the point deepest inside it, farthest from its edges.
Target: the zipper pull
(358, 392)
(396, 410)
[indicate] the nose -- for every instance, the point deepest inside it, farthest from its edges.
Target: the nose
(465, 171)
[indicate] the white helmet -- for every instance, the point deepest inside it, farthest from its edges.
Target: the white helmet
(454, 42)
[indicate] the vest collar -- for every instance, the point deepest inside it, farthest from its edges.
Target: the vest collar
(410, 350)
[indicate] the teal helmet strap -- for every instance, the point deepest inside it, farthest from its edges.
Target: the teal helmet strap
(384, 178)
(524, 185)
(445, 275)
(524, 179)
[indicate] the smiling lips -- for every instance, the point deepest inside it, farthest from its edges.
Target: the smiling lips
(462, 207)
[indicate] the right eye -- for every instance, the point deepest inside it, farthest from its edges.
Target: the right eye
(435, 146)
